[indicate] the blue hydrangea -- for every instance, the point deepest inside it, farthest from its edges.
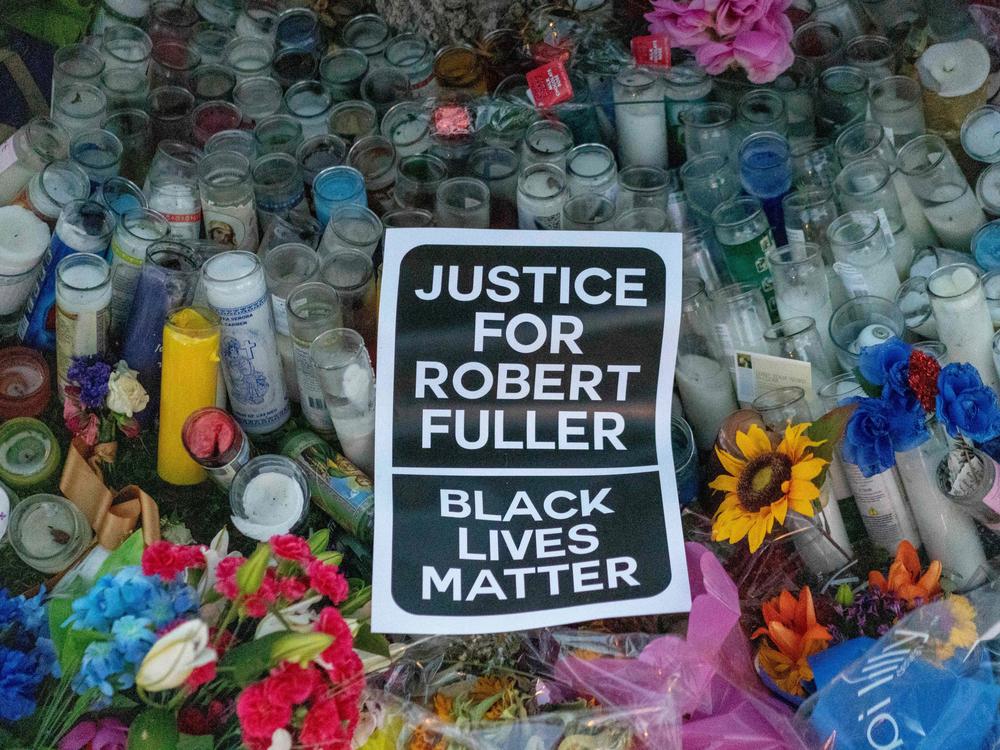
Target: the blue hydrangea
(129, 592)
(18, 684)
(27, 655)
(134, 637)
(102, 667)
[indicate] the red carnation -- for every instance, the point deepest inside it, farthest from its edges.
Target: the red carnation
(293, 588)
(289, 683)
(225, 576)
(291, 547)
(328, 580)
(257, 603)
(166, 560)
(325, 727)
(923, 378)
(259, 715)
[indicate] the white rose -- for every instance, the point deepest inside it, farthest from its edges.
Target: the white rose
(126, 394)
(175, 656)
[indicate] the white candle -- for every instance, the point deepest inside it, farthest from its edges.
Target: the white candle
(795, 300)
(541, 192)
(706, 390)
(640, 119)
(883, 507)
(955, 216)
(112, 13)
(880, 279)
(272, 504)
(357, 433)
(981, 134)
(83, 300)
(916, 222)
(24, 239)
(237, 292)
(963, 318)
(817, 552)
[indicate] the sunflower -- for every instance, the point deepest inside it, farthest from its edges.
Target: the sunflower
(765, 484)
(957, 626)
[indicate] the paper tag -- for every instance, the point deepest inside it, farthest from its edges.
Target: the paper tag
(795, 236)
(549, 84)
(7, 154)
(890, 135)
(760, 373)
(651, 51)
(854, 280)
(883, 221)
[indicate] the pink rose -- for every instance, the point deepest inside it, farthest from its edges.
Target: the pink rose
(715, 57)
(685, 24)
(103, 734)
(734, 16)
(764, 54)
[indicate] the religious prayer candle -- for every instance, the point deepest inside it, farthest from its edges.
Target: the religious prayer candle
(963, 317)
(744, 234)
(312, 308)
(863, 261)
(26, 153)
(50, 190)
(136, 231)
(48, 532)
(83, 310)
(227, 200)
(83, 227)
(190, 374)
(24, 239)
(981, 134)
(172, 187)
(237, 291)
(541, 193)
(29, 453)
(270, 495)
(217, 443)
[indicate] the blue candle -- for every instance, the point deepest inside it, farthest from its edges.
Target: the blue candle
(986, 246)
(167, 282)
(335, 187)
(766, 174)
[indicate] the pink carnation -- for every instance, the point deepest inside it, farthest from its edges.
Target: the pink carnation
(328, 580)
(166, 560)
(686, 24)
(225, 576)
(259, 714)
(291, 547)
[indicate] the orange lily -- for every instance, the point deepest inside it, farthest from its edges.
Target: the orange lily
(790, 624)
(905, 579)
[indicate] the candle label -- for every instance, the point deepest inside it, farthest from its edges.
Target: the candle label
(651, 51)
(882, 507)
(853, 279)
(529, 220)
(8, 155)
(747, 262)
(223, 476)
(310, 392)
(234, 227)
(78, 334)
(280, 307)
(883, 221)
(549, 84)
(251, 366)
(795, 237)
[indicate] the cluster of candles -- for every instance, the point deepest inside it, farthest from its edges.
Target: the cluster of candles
(208, 198)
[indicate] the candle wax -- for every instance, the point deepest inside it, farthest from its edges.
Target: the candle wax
(956, 216)
(23, 240)
(272, 504)
(706, 390)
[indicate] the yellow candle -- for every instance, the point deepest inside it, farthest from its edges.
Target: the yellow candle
(190, 374)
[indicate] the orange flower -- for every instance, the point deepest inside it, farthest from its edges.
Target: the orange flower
(905, 580)
(790, 624)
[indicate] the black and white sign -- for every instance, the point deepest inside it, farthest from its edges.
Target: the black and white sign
(523, 468)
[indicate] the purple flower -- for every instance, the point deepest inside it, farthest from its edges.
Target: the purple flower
(873, 612)
(91, 375)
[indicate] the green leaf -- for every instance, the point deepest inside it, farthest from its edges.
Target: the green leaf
(60, 608)
(373, 643)
(251, 573)
(829, 429)
(127, 555)
(359, 597)
(153, 729)
(248, 662)
(196, 742)
(319, 541)
(871, 390)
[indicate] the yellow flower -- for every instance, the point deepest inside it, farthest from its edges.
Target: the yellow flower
(765, 484)
(789, 673)
(962, 633)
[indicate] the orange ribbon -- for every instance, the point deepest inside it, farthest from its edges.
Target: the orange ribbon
(113, 515)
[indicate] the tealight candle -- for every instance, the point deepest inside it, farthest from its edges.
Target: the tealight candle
(981, 134)
(217, 443)
(48, 532)
(25, 385)
(269, 496)
(29, 453)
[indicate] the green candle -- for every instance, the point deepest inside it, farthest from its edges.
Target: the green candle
(29, 453)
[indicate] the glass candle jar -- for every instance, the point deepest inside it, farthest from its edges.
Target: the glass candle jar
(257, 98)
(212, 83)
(318, 153)
(75, 64)
(641, 220)
(407, 218)
(217, 443)
(352, 274)
(375, 158)
(351, 227)
(896, 105)
(841, 15)
(759, 111)
(799, 338)
(766, 174)
(134, 128)
(210, 42)
(337, 186)
(590, 212)
(591, 168)
(353, 120)
(170, 108)
(782, 407)
(348, 382)
(171, 20)
(986, 246)
(807, 214)
(818, 43)
(684, 85)
(249, 57)
(498, 167)
(172, 187)
(980, 134)
(290, 66)
(640, 118)
(257, 20)
(709, 128)
(383, 87)
(25, 391)
(740, 317)
(213, 117)
(341, 73)
(842, 99)
(124, 89)
(863, 261)
(25, 154)
(949, 203)
(297, 28)
(462, 202)
(814, 163)
(48, 532)
(120, 195)
(312, 307)
(548, 142)
(113, 12)
(642, 187)
(709, 180)
(298, 228)
(745, 237)
(407, 125)
(963, 317)
(310, 104)
(268, 496)
(227, 200)
(136, 231)
(705, 386)
(802, 288)
(277, 134)
(24, 238)
(873, 54)
(697, 262)
(126, 46)
(172, 64)
(368, 34)
(460, 67)
(417, 180)
(78, 107)
(914, 302)
(285, 267)
(797, 86)
(55, 186)
(83, 310)
(541, 192)
(413, 56)
(864, 321)
(277, 186)
(237, 292)
(988, 190)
